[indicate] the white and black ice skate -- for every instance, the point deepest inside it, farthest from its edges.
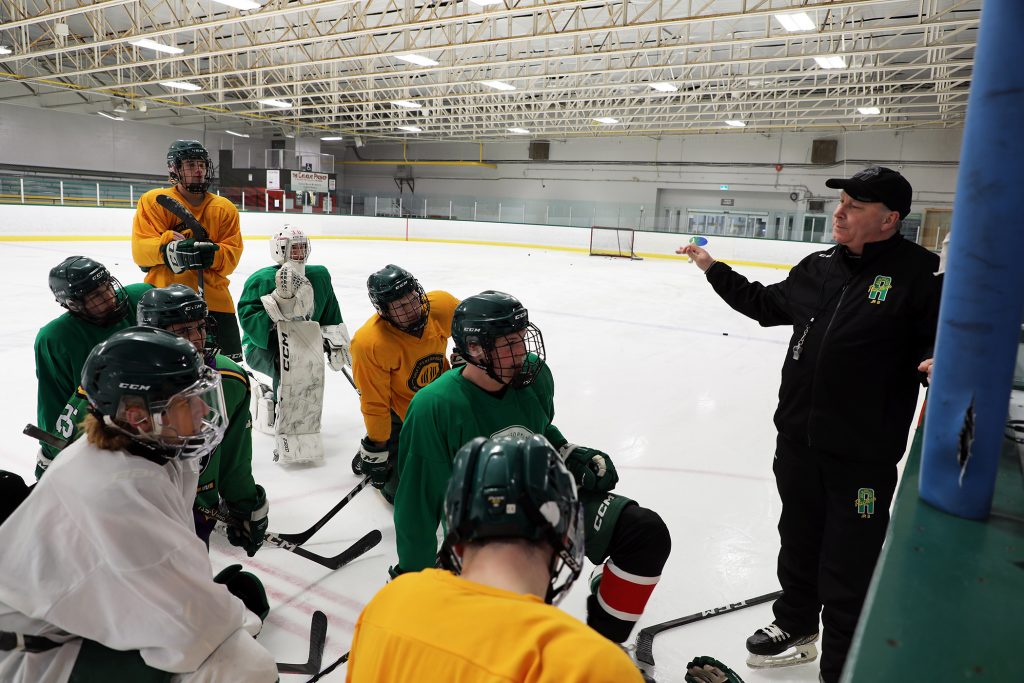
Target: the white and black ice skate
(772, 647)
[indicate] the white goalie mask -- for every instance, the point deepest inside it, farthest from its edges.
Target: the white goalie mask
(290, 244)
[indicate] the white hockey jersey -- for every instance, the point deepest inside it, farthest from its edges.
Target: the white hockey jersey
(104, 548)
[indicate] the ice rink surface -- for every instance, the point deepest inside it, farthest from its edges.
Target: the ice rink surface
(649, 366)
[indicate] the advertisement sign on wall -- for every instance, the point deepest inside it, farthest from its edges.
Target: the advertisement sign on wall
(306, 181)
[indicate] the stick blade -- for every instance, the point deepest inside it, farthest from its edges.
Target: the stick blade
(645, 647)
(317, 641)
(361, 546)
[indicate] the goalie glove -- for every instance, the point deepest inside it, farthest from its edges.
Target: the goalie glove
(373, 461)
(251, 521)
(292, 299)
(592, 469)
(187, 254)
(336, 346)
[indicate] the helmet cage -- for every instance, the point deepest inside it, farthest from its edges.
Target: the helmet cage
(491, 359)
(73, 298)
(284, 243)
(179, 304)
(198, 408)
(193, 150)
(382, 298)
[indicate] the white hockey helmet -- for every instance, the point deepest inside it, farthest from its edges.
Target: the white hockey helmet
(289, 244)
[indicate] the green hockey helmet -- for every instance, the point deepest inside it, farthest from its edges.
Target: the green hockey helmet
(184, 150)
(399, 299)
(154, 387)
(512, 346)
(175, 308)
(515, 487)
(86, 288)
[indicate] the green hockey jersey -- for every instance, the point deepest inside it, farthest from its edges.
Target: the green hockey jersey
(258, 328)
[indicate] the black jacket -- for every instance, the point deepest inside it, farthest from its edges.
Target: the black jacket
(853, 390)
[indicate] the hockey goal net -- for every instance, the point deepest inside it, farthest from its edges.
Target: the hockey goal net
(613, 242)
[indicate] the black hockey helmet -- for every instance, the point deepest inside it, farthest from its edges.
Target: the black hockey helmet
(174, 305)
(154, 387)
(515, 487)
(392, 283)
(75, 278)
(488, 320)
(182, 150)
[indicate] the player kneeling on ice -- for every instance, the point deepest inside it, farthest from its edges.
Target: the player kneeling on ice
(397, 352)
(125, 591)
(515, 531)
(290, 318)
(227, 473)
(506, 389)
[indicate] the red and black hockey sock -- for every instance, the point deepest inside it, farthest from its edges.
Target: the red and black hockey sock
(639, 548)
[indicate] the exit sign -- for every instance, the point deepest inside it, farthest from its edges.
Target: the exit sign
(723, 187)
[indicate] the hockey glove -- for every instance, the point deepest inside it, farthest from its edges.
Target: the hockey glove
(592, 469)
(252, 522)
(187, 254)
(373, 461)
(457, 360)
(394, 572)
(246, 587)
(336, 346)
(292, 299)
(709, 670)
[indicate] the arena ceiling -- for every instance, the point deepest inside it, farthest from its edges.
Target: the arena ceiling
(495, 69)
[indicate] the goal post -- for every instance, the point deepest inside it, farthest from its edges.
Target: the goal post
(619, 242)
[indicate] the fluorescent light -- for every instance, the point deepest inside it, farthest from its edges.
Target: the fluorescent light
(485, 3)
(408, 104)
(181, 85)
(498, 85)
(280, 104)
(831, 62)
(110, 116)
(4, 50)
(735, 123)
(120, 109)
(800, 21)
(237, 135)
(519, 131)
(331, 138)
(664, 87)
(289, 135)
(606, 119)
(869, 111)
(159, 47)
(411, 129)
(240, 4)
(419, 60)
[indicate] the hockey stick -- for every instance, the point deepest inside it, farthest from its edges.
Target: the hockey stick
(345, 370)
(645, 639)
(350, 553)
(300, 538)
(45, 436)
(332, 667)
(189, 221)
(317, 641)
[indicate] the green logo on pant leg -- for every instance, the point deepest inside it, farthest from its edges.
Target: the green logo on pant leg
(879, 289)
(865, 502)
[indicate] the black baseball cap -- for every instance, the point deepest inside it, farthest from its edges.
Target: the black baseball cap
(877, 184)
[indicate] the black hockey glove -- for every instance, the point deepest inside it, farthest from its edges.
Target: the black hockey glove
(187, 254)
(592, 469)
(246, 587)
(252, 522)
(709, 670)
(373, 461)
(457, 360)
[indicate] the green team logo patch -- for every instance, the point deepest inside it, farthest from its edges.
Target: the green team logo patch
(879, 289)
(865, 503)
(515, 431)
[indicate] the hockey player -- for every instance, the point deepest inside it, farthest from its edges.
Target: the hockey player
(506, 389)
(514, 526)
(396, 353)
(227, 474)
(169, 253)
(290, 319)
(97, 306)
(125, 592)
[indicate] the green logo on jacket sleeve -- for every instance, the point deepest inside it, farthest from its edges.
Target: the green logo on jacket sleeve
(865, 502)
(879, 289)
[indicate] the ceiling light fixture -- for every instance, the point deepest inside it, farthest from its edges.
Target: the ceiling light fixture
(109, 116)
(4, 50)
(408, 104)
(831, 62)
(240, 4)
(159, 47)
(736, 123)
(485, 3)
(519, 131)
(498, 85)
(800, 21)
(331, 138)
(664, 87)
(280, 104)
(237, 135)
(411, 129)
(181, 85)
(869, 111)
(419, 60)
(607, 120)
